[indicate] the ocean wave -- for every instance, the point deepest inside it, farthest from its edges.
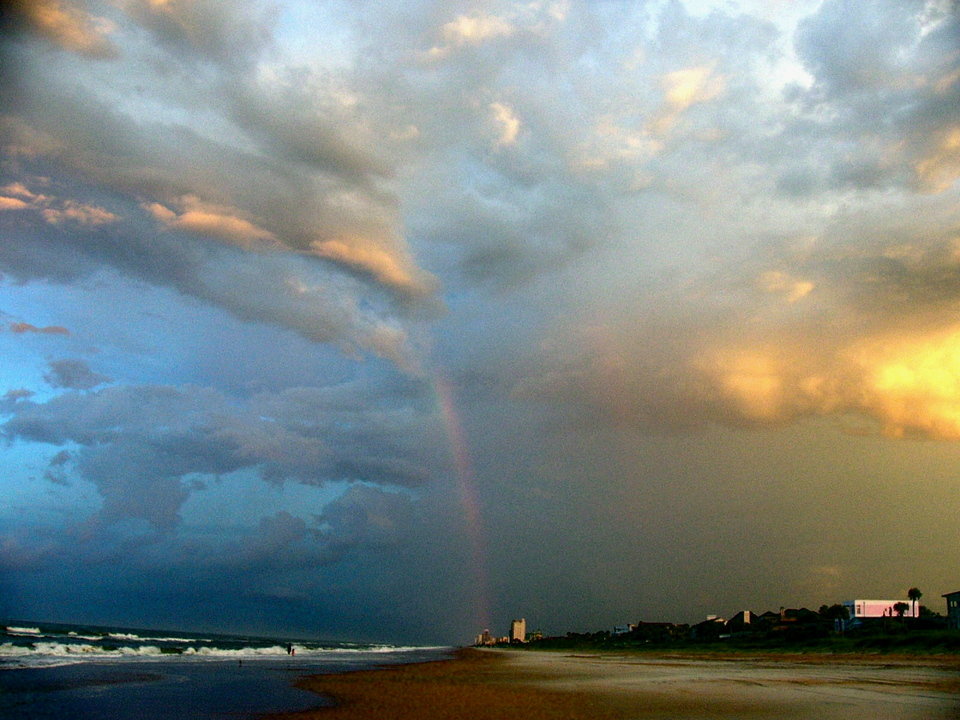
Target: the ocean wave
(11, 651)
(306, 649)
(55, 649)
(237, 652)
(147, 638)
(68, 649)
(22, 630)
(384, 649)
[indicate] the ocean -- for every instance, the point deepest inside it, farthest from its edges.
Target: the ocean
(55, 670)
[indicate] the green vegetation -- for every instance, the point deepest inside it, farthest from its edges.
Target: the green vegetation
(873, 641)
(914, 594)
(829, 630)
(796, 630)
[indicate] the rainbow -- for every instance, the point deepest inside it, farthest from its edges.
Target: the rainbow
(466, 488)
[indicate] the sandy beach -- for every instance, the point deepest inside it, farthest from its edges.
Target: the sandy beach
(555, 686)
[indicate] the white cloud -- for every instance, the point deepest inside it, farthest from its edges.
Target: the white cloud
(776, 281)
(80, 213)
(469, 30)
(682, 89)
(507, 123)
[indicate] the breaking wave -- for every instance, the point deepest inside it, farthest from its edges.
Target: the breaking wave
(23, 630)
(49, 645)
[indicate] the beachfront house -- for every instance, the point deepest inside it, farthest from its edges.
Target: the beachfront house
(953, 610)
(710, 629)
(768, 619)
(743, 621)
(861, 611)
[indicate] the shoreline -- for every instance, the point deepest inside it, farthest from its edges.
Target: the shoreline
(474, 683)
(557, 685)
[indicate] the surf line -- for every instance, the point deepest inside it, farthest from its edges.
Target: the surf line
(466, 488)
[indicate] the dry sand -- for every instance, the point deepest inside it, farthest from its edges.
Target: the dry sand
(553, 686)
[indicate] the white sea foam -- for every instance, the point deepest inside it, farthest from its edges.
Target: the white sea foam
(64, 649)
(49, 652)
(11, 650)
(23, 631)
(237, 652)
(141, 638)
(53, 648)
(15, 656)
(386, 649)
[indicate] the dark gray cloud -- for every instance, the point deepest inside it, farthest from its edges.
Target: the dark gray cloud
(303, 122)
(292, 176)
(885, 86)
(140, 446)
(56, 469)
(698, 263)
(281, 540)
(279, 289)
(855, 51)
(11, 397)
(68, 26)
(366, 516)
(25, 548)
(210, 30)
(74, 374)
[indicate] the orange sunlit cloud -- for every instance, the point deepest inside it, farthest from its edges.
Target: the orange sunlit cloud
(9, 203)
(218, 221)
(683, 89)
(939, 170)
(908, 383)
(68, 26)
(911, 383)
(362, 255)
(54, 210)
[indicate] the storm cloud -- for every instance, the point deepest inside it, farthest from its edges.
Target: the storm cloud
(377, 310)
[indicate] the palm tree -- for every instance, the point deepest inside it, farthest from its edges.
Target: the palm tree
(914, 594)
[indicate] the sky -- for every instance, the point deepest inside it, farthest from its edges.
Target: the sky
(397, 320)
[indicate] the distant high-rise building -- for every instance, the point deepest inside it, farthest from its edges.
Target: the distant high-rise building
(485, 638)
(518, 630)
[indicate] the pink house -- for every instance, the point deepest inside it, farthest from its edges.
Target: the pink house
(879, 608)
